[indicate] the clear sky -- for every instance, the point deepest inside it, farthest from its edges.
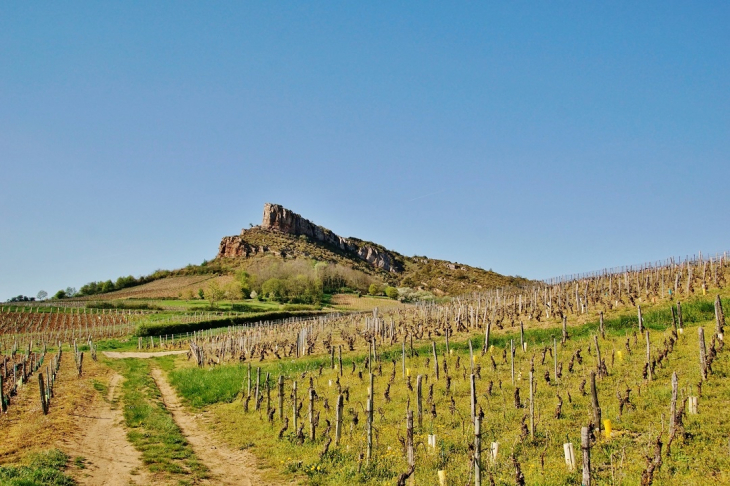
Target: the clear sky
(533, 138)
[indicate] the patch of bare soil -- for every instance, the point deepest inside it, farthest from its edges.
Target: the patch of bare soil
(227, 466)
(118, 355)
(109, 458)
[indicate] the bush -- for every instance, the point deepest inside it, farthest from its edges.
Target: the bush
(374, 289)
(391, 292)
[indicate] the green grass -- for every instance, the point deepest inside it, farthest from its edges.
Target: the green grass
(46, 468)
(701, 458)
(246, 305)
(151, 427)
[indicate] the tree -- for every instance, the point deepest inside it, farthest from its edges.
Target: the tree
(391, 292)
(245, 282)
(70, 291)
(61, 294)
(233, 291)
(374, 289)
(214, 293)
(201, 294)
(274, 289)
(42, 295)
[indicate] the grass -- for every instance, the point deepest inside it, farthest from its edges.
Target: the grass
(151, 427)
(699, 458)
(44, 468)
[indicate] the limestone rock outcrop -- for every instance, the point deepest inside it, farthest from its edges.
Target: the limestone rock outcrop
(278, 219)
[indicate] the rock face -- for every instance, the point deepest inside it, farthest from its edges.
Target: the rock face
(235, 246)
(279, 219)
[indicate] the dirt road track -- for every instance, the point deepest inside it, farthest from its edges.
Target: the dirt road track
(227, 466)
(109, 457)
(118, 355)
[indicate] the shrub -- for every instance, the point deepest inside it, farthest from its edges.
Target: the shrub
(391, 292)
(374, 289)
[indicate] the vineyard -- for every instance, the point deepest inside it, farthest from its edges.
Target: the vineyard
(616, 377)
(560, 384)
(26, 325)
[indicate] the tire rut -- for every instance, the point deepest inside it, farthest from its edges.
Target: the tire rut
(227, 466)
(110, 459)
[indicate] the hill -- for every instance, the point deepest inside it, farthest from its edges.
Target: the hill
(286, 235)
(290, 259)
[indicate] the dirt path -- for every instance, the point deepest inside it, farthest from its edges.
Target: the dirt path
(227, 466)
(117, 355)
(109, 457)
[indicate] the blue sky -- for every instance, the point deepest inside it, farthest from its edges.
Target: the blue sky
(531, 138)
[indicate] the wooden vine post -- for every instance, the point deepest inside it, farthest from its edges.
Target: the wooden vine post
(419, 400)
(3, 407)
(601, 329)
(249, 380)
(410, 453)
(79, 364)
(522, 336)
(268, 395)
(281, 397)
(403, 356)
(585, 444)
(641, 320)
(44, 402)
(294, 405)
(555, 359)
(532, 404)
(312, 424)
(598, 353)
(477, 451)
(512, 358)
(369, 412)
(435, 359)
(648, 357)
(258, 384)
(338, 420)
(473, 400)
(486, 335)
(703, 353)
(565, 330)
(673, 405)
(594, 402)
(340, 358)
(719, 316)
(680, 322)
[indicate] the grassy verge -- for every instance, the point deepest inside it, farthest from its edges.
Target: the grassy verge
(151, 427)
(44, 468)
(699, 457)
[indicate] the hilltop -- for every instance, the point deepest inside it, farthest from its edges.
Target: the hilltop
(285, 235)
(291, 259)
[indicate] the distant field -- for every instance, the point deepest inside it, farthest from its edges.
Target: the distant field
(170, 287)
(354, 303)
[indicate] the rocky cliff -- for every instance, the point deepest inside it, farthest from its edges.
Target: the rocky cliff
(283, 234)
(277, 219)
